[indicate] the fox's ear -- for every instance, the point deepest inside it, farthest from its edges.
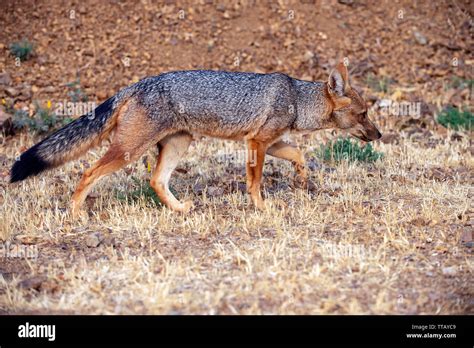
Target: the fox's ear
(339, 80)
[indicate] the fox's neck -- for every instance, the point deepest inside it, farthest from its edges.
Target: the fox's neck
(314, 107)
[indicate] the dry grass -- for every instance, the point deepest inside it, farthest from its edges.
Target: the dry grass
(366, 239)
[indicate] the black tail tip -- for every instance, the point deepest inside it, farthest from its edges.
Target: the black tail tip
(28, 164)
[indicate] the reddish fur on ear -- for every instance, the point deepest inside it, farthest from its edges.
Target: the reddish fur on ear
(342, 68)
(341, 102)
(339, 80)
(338, 85)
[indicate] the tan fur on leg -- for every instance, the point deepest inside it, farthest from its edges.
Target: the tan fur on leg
(113, 160)
(254, 171)
(291, 153)
(172, 148)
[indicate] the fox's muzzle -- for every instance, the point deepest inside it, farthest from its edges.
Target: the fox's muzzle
(368, 132)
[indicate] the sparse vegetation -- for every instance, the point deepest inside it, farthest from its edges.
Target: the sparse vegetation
(141, 191)
(461, 83)
(379, 84)
(22, 49)
(43, 121)
(456, 119)
(76, 93)
(386, 226)
(346, 149)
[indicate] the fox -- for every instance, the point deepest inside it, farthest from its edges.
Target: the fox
(174, 108)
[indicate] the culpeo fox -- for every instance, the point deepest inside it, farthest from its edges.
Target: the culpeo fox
(173, 108)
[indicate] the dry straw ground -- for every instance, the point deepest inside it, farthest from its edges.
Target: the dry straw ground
(390, 237)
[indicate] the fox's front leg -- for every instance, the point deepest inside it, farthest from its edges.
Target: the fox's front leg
(291, 153)
(255, 160)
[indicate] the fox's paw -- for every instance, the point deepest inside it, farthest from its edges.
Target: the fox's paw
(185, 207)
(78, 213)
(260, 204)
(301, 182)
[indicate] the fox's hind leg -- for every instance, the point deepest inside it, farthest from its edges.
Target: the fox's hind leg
(113, 160)
(135, 133)
(291, 153)
(172, 148)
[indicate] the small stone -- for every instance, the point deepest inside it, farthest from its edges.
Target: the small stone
(109, 241)
(26, 93)
(101, 95)
(5, 122)
(42, 60)
(198, 189)
(49, 89)
(32, 283)
(449, 271)
(12, 92)
(308, 56)
(93, 240)
(5, 79)
(214, 191)
(420, 38)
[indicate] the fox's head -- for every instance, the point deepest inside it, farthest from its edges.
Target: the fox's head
(349, 108)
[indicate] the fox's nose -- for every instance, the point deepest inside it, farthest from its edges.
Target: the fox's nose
(378, 135)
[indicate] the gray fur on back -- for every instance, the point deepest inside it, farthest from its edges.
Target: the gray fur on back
(229, 104)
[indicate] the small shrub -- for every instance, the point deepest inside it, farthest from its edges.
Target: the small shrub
(460, 83)
(75, 92)
(455, 119)
(143, 190)
(379, 84)
(344, 149)
(43, 121)
(22, 49)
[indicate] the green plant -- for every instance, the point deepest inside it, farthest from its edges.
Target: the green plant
(20, 119)
(22, 49)
(456, 119)
(43, 121)
(344, 149)
(461, 83)
(379, 84)
(75, 92)
(142, 190)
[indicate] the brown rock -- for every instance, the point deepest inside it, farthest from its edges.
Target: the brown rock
(6, 124)
(32, 283)
(5, 78)
(94, 239)
(101, 95)
(12, 92)
(214, 191)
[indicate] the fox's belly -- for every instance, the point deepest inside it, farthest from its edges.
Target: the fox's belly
(224, 126)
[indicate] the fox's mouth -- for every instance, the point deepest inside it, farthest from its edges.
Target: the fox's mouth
(366, 135)
(360, 135)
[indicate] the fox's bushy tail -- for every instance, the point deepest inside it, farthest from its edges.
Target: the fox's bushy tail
(67, 143)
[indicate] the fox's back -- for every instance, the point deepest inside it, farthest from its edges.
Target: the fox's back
(232, 103)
